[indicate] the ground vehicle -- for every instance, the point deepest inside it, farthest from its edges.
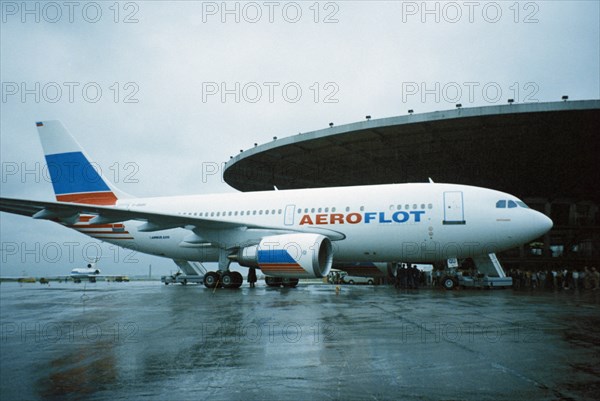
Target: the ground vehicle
(483, 281)
(346, 279)
(182, 279)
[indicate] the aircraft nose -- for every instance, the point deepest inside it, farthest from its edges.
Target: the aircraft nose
(542, 223)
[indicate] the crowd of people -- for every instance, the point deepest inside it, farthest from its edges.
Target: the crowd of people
(407, 277)
(557, 279)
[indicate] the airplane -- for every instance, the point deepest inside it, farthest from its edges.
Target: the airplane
(288, 234)
(91, 273)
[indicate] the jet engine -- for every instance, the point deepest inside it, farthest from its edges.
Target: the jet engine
(289, 255)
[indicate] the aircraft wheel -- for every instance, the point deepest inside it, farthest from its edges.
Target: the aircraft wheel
(448, 283)
(211, 279)
(238, 279)
(290, 282)
(227, 279)
(272, 281)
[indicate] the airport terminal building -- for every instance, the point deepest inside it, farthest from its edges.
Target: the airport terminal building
(544, 153)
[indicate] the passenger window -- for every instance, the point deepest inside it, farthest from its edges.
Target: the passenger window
(501, 204)
(511, 204)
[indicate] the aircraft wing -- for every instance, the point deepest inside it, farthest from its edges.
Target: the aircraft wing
(68, 213)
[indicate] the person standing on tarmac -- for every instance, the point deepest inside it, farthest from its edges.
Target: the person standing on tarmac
(252, 277)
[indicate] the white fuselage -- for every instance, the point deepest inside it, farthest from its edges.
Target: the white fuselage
(380, 223)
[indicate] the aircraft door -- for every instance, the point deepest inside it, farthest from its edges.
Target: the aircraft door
(453, 208)
(289, 215)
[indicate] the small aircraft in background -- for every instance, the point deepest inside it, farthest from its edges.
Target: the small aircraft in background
(91, 273)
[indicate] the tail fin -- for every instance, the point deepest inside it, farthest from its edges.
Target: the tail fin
(74, 178)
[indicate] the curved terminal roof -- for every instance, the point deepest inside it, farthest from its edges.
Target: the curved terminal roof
(530, 150)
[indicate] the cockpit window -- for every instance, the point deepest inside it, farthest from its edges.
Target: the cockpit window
(504, 203)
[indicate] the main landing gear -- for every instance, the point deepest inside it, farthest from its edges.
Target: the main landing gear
(226, 279)
(281, 281)
(231, 279)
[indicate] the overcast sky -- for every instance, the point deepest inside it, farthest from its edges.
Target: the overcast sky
(158, 92)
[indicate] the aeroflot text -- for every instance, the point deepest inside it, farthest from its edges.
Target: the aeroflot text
(413, 216)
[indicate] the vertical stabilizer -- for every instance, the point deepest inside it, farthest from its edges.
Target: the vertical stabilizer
(73, 177)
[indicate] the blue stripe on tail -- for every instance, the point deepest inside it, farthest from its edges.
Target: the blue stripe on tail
(73, 173)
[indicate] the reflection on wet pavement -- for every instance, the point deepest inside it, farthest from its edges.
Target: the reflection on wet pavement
(129, 340)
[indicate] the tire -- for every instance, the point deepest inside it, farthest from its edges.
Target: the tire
(351, 282)
(227, 280)
(370, 282)
(290, 282)
(211, 279)
(238, 279)
(448, 283)
(272, 281)
(232, 279)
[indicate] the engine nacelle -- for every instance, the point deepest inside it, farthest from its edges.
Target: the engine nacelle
(290, 255)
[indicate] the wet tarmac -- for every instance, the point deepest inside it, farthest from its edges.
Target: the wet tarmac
(143, 339)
